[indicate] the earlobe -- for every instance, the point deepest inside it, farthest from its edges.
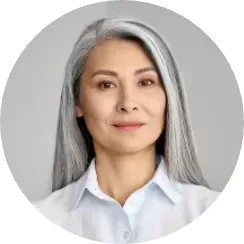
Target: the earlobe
(78, 111)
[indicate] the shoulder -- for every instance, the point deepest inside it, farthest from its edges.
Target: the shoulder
(198, 197)
(56, 206)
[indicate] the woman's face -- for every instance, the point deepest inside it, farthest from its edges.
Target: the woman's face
(121, 97)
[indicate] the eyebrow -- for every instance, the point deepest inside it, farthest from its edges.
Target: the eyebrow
(113, 73)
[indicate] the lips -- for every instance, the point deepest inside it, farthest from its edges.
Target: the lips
(128, 124)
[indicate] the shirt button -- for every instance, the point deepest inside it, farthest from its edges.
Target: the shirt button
(126, 234)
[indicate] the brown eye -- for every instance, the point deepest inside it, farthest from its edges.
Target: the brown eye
(106, 85)
(146, 82)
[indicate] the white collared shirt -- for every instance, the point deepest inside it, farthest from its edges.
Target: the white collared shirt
(157, 209)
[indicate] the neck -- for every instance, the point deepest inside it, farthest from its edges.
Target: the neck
(119, 175)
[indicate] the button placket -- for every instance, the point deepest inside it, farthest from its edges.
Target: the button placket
(126, 234)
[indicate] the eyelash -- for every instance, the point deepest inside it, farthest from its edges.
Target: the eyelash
(106, 82)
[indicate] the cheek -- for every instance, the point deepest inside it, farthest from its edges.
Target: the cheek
(157, 104)
(96, 109)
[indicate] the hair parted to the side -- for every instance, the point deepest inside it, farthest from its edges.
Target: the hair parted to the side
(74, 148)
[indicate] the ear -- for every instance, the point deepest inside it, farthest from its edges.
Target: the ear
(78, 111)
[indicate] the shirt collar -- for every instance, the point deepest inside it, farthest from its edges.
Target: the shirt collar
(83, 183)
(160, 178)
(167, 185)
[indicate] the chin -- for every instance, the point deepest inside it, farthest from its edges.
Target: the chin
(129, 148)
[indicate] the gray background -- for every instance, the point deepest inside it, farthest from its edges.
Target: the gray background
(31, 99)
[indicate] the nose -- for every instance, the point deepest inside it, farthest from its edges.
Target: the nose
(127, 102)
(126, 108)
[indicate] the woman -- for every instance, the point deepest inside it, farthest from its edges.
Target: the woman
(125, 165)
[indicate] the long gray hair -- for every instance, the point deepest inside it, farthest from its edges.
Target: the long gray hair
(74, 149)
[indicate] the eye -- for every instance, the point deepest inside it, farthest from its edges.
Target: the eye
(106, 85)
(146, 82)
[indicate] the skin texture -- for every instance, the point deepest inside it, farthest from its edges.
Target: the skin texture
(120, 84)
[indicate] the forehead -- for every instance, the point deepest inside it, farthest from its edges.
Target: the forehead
(118, 54)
